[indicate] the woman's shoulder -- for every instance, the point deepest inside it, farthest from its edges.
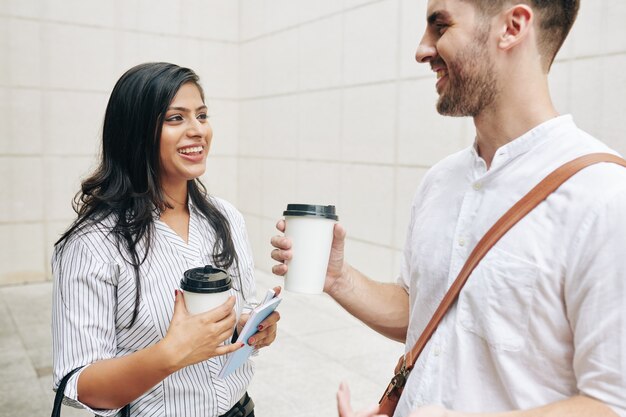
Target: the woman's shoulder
(93, 237)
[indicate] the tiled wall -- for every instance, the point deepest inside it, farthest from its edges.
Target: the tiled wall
(59, 60)
(311, 101)
(334, 110)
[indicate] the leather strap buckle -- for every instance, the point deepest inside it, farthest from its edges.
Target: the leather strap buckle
(398, 381)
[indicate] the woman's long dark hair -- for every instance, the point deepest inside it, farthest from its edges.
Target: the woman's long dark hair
(126, 184)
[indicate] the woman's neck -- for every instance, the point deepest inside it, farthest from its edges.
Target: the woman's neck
(175, 196)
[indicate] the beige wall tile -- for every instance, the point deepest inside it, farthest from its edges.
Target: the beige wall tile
(21, 189)
(73, 122)
(80, 12)
(221, 177)
(613, 115)
(137, 48)
(281, 62)
(369, 114)
(5, 73)
(280, 127)
(407, 180)
(373, 260)
(71, 60)
(252, 56)
(281, 14)
(22, 253)
(318, 183)
(587, 35)
(250, 186)
(62, 177)
(615, 35)
(318, 9)
(560, 82)
(320, 125)
(20, 8)
(424, 136)
(224, 119)
(24, 52)
(370, 43)
(155, 16)
(6, 110)
(218, 68)
(210, 19)
(587, 94)
(278, 186)
(413, 24)
(251, 127)
(320, 53)
(367, 202)
(20, 121)
(251, 25)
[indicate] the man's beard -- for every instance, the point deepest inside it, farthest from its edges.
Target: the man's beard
(472, 84)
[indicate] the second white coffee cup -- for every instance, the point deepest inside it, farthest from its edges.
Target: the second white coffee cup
(205, 288)
(310, 228)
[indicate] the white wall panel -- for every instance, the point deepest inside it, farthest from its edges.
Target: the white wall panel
(21, 189)
(370, 43)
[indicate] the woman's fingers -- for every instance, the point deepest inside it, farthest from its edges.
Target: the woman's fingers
(225, 349)
(266, 333)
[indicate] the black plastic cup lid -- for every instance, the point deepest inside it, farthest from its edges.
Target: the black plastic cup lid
(327, 212)
(206, 280)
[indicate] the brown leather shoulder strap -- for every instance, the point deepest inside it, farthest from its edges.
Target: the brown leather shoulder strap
(531, 200)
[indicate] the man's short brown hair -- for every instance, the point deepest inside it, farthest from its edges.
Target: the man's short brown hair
(555, 19)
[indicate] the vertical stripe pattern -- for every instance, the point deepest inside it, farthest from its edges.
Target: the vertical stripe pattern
(93, 302)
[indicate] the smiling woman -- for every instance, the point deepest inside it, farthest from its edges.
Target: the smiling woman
(144, 218)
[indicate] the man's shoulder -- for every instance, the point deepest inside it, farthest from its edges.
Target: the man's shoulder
(453, 164)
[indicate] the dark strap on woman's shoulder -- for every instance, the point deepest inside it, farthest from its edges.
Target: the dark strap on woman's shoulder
(58, 398)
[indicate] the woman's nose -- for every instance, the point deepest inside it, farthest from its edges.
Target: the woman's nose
(196, 129)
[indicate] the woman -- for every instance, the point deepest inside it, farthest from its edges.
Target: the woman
(144, 218)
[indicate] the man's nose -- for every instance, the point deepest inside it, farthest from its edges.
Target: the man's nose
(426, 51)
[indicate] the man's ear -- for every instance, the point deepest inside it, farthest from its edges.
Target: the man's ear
(516, 24)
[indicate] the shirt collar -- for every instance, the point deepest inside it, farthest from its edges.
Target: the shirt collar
(527, 141)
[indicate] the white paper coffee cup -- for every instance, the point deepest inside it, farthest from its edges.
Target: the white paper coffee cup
(310, 228)
(205, 288)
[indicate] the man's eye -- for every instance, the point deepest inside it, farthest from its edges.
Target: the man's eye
(441, 27)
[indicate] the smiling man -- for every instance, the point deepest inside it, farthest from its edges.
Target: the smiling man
(539, 328)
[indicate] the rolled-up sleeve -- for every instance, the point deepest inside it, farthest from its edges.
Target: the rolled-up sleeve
(83, 312)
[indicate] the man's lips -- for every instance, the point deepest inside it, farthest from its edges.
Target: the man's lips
(442, 76)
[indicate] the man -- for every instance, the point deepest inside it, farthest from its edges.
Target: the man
(539, 329)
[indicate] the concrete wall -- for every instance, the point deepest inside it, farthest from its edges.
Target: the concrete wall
(334, 109)
(311, 101)
(59, 62)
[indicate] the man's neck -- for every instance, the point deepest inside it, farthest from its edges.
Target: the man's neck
(517, 110)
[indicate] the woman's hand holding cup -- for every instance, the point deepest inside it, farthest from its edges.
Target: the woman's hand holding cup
(193, 338)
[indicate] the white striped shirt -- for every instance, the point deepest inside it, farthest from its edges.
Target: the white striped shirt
(94, 298)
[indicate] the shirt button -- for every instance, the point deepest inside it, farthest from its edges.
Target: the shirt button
(437, 351)
(477, 186)
(461, 242)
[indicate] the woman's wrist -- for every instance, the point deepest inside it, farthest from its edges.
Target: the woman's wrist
(167, 357)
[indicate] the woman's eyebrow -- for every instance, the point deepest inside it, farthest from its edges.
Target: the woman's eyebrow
(185, 109)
